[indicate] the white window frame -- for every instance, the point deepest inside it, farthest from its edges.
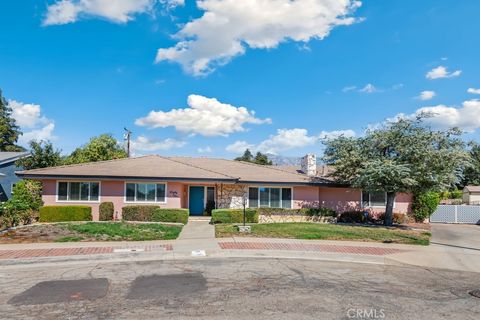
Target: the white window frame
(277, 187)
(370, 203)
(145, 182)
(79, 201)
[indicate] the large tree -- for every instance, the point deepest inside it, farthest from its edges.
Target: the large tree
(259, 158)
(471, 174)
(403, 155)
(103, 147)
(9, 131)
(42, 155)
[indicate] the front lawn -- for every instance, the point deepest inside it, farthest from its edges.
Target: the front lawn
(91, 231)
(297, 230)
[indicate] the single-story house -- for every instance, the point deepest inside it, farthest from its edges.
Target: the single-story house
(183, 182)
(471, 195)
(7, 172)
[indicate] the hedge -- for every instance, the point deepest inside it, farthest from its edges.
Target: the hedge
(171, 215)
(65, 213)
(310, 212)
(234, 216)
(424, 204)
(106, 211)
(138, 213)
(154, 214)
(352, 217)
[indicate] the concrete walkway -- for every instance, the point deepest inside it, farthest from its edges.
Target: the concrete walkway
(197, 238)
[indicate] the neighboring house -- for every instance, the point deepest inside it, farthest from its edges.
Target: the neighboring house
(7, 172)
(471, 195)
(182, 182)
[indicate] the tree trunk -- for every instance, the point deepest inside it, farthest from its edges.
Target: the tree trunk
(388, 221)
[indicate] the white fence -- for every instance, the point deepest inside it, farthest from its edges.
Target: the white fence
(456, 214)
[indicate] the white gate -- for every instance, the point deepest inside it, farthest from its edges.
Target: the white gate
(456, 214)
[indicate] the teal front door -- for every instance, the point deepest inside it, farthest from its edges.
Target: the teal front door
(196, 200)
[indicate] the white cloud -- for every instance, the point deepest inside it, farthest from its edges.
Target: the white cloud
(239, 147)
(466, 117)
(349, 88)
(207, 149)
(32, 123)
(473, 91)
(142, 143)
(206, 116)
(228, 27)
(426, 95)
(170, 4)
(369, 88)
(119, 11)
(287, 139)
(442, 72)
(43, 133)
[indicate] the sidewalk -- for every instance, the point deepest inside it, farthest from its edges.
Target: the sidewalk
(197, 240)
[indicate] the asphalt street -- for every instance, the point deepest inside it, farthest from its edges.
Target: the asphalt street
(233, 288)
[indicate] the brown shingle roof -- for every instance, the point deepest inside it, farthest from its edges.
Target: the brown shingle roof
(175, 168)
(473, 188)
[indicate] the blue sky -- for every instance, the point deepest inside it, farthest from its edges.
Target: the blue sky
(273, 75)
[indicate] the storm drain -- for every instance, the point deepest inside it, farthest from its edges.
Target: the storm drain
(167, 286)
(475, 293)
(62, 291)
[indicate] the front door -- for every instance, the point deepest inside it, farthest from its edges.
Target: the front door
(196, 200)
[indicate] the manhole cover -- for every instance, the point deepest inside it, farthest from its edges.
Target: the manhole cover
(171, 285)
(62, 291)
(475, 293)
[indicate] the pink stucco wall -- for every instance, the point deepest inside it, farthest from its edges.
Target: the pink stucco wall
(342, 199)
(339, 199)
(113, 191)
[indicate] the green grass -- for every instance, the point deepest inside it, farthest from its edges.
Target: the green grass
(296, 230)
(69, 239)
(126, 231)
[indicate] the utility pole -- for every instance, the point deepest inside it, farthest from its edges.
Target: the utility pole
(127, 136)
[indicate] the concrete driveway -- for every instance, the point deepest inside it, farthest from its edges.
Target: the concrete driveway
(456, 236)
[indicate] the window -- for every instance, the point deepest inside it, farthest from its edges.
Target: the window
(78, 191)
(145, 192)
(374, 199)
(264, 197)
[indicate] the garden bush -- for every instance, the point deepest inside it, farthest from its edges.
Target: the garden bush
(138, 213)
(311, 212)
(170, 215)
(398, 218)
(234, 216)
(106, 211)
(424, 204)
(352, 217)
(65, 213)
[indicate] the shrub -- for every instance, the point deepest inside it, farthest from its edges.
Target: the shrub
(319, 212)
(234, 216)
(311, 212)
(171, 215)
(352, 217)
(65, 213)
(22, 207)
(106, 211)
(138, 213)
(29, 192)
(456, 194)
(398, 218)
(209, 207)
(424, 204)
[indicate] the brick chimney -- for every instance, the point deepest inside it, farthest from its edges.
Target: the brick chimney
(309, 165)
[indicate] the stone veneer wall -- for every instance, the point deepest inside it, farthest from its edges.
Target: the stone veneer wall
(230, 196)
